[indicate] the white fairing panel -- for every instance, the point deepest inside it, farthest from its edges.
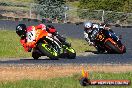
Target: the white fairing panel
(31, 35)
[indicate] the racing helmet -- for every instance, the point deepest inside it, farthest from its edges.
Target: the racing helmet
(88, 26)
(21, 30)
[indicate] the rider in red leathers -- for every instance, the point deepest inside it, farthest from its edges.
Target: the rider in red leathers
(27, 34)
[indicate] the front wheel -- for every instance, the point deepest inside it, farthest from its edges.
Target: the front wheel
(114, 48)
(48, 50)
(71, 54)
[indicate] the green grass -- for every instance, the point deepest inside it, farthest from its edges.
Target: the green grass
(80, 45)
(67, 82)
(10, 46)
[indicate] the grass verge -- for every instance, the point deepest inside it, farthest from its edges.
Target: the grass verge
(67, 82)
(10, 46)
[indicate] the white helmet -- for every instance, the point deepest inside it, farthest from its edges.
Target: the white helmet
(87, 24)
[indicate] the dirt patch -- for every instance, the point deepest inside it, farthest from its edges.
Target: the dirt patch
(12, 73)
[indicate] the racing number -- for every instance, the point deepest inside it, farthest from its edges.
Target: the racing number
(30, 36)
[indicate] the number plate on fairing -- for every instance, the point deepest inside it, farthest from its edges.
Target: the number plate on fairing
(100, 36)
(31, 36)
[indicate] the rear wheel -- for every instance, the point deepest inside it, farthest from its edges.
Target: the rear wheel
(113, 48)
(48, 50)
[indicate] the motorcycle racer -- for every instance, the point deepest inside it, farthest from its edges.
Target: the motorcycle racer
(27, 34)
(88, 28)
(89, 32)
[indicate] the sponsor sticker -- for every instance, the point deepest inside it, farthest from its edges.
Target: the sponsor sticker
(85, 81)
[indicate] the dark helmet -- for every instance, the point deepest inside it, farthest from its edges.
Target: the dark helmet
(21, 30)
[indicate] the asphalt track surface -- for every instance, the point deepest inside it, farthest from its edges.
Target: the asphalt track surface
(91, 58)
